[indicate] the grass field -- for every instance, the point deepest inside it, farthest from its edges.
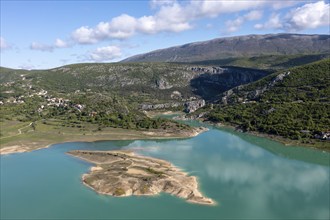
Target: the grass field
(26, 137)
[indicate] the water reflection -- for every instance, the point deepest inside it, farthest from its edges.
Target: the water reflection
(239, 173)
(276, 174)
(242, 175)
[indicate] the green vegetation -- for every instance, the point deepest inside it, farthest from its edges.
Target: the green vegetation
(119, 192)
(137, 80)
(152, 171)
(273, 62)
(93, 98)
(101, 111)
(105, 95)
(226, 50)
(296, 107)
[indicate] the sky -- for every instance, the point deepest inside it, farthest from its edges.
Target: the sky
(47, 34)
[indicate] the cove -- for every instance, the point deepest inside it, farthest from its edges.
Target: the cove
(248, 177)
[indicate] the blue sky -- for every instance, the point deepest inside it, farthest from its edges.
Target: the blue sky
(47, 34)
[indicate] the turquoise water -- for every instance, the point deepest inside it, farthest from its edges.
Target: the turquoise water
(249, 177)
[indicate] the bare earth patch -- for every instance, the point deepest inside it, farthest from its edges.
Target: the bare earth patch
(122, 173)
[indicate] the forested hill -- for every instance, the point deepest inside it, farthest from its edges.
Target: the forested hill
(293, 104)
(240, 46)
(305, 83)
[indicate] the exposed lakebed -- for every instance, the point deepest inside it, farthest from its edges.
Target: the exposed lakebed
(248, 177)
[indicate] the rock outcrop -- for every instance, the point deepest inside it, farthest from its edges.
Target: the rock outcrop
(189, 106)
(163, 84)
(122, 173)
(238, 94)
(192, 106)
(161, 106)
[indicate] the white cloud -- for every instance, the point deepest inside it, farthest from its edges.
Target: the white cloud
(259, 26)
(120, 27)
(308, 16)
(234, 25)
(108, 53)
(312, 15)
(41, 47)
(84, 35)
(175, 16)
(61, 44)
(3, 44)
(274, 22)
(253, 15)
(170, 16)
(284, 4)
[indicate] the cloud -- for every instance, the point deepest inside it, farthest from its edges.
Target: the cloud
(274, 22)
(169, 16)
(253, 15)
(50, 48)
(157, 3)
(61, 44)
(312, 15)
(84, 35)
(308, 16)
(234, 25)
(174, 16)
(41, 47)
(108, 53)
(209, 8)
(3, 44)
(284, 4)
(120, 27)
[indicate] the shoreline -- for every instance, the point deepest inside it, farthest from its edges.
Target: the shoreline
(318, 145)
(19, 147)
(280, 139)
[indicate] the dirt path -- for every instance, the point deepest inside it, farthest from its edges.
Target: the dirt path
(19, 131)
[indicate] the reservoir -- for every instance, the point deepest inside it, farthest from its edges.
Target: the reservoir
(247, 176)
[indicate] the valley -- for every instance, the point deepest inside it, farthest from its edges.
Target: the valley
(165, 109)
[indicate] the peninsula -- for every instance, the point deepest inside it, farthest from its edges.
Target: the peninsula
(123, 173)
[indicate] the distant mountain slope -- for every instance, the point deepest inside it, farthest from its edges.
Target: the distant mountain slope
(240, 46)
(294, 104)
(143, 82)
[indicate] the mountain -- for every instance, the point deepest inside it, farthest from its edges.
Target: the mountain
(239, 47)
(292, 104)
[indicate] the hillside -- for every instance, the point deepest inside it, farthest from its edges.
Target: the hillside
(293, 104)
(225, 49)
(138, 82)
(89, 98)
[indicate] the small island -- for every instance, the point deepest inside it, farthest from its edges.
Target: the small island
(123, 173)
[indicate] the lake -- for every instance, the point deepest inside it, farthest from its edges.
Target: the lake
(248, 176)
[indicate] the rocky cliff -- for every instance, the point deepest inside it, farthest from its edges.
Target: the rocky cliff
(189, 106)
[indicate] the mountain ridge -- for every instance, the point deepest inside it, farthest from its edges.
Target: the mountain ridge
(238, 46)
